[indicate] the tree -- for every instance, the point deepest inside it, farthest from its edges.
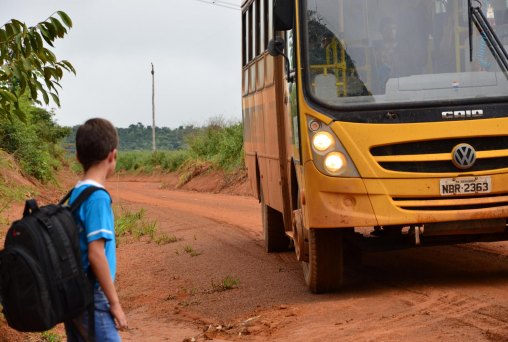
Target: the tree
(26, 64)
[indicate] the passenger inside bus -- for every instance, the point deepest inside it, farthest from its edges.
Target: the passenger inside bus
(503, 30)
(385, 51)
(401, 51)
(411, 27)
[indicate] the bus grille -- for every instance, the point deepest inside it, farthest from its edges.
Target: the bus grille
(435, 156)
(452, 203)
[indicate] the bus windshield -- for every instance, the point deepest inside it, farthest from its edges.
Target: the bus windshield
(361, 52)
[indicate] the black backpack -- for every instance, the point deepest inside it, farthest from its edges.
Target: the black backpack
(42, 281)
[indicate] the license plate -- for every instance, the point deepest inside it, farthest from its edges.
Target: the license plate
(464, 186)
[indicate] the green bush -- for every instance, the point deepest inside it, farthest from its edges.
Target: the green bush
(146, 161)
(220, 143)
(34, 142)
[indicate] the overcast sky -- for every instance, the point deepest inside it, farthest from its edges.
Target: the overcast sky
(194, 46)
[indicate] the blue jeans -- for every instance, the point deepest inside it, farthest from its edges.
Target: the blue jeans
(105, 330)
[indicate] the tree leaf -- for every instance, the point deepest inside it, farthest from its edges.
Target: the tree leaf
(49, 84)
(7, 95)
(46, 35)
(38, 37)
(65, 18)
(9, 30)
(19, 45)
(60, 29)
(47, 74)
(16, 71)
(44, 93)
(33, 91)
(8, 70)
(69, 66)
(55, 99)
(18, 24)
(3, 36)
(51, 29)
(20, 114)
(22, 86)
(40, 55)
(59, 73)
(27, 47)
(50, 56)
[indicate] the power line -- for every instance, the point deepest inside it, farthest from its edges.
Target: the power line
(227, 3)
(220, 3)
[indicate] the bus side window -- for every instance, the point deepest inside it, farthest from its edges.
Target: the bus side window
(290, 48)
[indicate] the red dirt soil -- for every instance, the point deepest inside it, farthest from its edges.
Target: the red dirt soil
(179, 291)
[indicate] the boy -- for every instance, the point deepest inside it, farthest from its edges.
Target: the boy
(96, 150)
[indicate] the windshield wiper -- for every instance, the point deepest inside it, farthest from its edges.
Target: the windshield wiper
(476, 16)
(470, 24)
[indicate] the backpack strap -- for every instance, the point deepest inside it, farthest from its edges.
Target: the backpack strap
(30, 207)
(66, 197)
(83, 196)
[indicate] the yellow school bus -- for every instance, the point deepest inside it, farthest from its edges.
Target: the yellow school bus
(379, 124)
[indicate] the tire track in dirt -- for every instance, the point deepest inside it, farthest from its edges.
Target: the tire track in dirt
(175, 287)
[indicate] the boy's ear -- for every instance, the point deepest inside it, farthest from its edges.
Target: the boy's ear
(112, 155)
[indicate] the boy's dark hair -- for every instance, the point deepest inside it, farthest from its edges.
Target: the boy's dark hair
(95, 139)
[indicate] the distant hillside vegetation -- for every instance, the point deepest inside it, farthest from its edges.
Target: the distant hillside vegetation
(139, 137)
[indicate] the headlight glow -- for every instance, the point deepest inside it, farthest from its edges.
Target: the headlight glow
(335, 162)
(322, 141)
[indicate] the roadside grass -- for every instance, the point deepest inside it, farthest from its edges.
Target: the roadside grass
(10, 190)
(135, 224)
(51, 336)
(220, 142)
(228, 283)
(10, 193)
(148, 161)
(192, 168)
(191, 251)
(216, 146)
(164, 239)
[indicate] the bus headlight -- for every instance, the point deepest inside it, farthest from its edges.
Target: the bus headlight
(328, 154)
(322, 141)
(335, 162)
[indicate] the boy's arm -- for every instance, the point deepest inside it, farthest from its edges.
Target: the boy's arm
(100, 267)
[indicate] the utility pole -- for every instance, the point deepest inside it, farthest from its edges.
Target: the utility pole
(153, 109)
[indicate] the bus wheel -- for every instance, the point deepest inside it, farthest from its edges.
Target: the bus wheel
(324, 271)
(276, 239)
(300, 238)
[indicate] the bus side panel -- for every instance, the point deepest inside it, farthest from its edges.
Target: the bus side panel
(261, 140)
(269, 149)
(249, 129)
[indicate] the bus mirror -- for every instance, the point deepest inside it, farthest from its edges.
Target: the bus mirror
(283, 12)
(275, 49)
(276, 46)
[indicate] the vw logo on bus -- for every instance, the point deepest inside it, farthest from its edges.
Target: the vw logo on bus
(463, 156)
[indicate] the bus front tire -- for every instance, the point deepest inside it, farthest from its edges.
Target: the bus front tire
(276, 239)
(324, 271)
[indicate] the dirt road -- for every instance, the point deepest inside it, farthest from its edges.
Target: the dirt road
(177, 290)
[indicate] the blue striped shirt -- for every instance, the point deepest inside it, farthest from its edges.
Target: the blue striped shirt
(95, 221)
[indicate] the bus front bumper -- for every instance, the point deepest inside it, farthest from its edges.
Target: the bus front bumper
(355, 202)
